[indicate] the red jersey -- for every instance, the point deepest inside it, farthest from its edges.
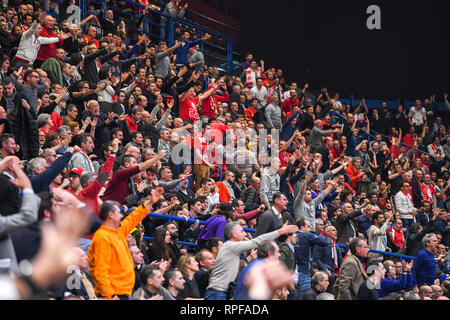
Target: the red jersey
(188, 109)
(249, 113)
(335, 153)
(209, 105)
(428, 192)
(218, 125)
(284, 159)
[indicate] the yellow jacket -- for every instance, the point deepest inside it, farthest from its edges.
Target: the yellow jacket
(110, 263)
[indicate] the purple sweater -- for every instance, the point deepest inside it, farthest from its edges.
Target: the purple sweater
(213, 228)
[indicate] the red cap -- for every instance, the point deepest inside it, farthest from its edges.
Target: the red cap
(77, 171)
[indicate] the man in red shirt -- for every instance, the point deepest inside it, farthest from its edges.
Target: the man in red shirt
(74, 180)
(288, 103)
(133, 119)
(47, 51)
(251, 110)
(189, 103)
(90, 37)
(336, 149)
(118, 187)
(209, 105)
(86, 186)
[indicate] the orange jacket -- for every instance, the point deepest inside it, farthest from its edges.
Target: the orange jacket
(110, 263)
(224, 194)
(355, 179)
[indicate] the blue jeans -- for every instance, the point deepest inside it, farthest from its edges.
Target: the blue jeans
(303, 285)
(215, 295)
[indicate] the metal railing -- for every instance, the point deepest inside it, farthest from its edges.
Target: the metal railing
(399, 256)
(175, 218)
(169, 24)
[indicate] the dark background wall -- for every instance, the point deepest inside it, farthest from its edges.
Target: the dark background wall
(326, 42)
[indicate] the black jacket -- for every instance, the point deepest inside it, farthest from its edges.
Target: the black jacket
(345, 226)
(71, 45)
(23, 126)
(90, 65)
(9, 197)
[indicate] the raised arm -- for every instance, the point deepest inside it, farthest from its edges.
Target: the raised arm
(150, 163)
(173, 48)
(208, 93)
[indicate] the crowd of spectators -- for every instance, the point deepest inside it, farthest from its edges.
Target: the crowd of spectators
(93, 119)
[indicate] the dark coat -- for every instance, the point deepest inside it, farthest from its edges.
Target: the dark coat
(287, 256)
(71, 46)
(346, 226)
(9, 197)
(311, 294)
(23, 126)
(251, 197)
(90, 65)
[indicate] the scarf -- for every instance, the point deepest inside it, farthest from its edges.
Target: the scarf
(334, 257)
(436, 150)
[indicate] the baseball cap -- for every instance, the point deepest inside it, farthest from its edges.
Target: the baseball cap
(443, 277)
(77, 171)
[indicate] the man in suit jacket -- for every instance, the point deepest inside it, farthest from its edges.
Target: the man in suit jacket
(9, 193)
(328, 259)
(71, 44)
(272, 219)
(352, 273)
(67, 77)
(28, 212)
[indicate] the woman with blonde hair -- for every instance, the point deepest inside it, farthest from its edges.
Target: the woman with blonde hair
(188, 267)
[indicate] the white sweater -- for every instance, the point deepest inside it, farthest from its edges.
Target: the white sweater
(30, 44)
(404, 204)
